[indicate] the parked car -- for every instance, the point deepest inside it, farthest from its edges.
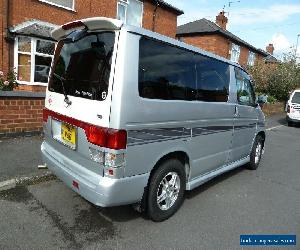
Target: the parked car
(293, 108)
(134, 117)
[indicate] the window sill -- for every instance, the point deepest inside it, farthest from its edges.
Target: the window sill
(32, 83)
(58, 6)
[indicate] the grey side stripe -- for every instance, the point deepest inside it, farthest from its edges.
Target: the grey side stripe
(146, 136)
(210, 130)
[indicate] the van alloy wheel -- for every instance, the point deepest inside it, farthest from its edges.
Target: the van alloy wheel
(168, 191)
(258, 152)
(165, 192)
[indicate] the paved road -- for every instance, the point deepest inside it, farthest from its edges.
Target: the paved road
(276, 120)
(266, 201)
(19, 156)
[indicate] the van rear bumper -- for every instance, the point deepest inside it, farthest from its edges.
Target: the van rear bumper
(106, 193)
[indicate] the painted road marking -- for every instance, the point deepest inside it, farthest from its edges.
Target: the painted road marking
(9, 184)
(268, 129)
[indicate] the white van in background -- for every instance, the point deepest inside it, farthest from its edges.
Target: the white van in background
(293, 108)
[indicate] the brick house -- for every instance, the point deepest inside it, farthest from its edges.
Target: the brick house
(270, 58)
(215, 38)
(25, 28)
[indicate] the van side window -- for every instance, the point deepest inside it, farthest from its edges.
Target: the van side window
(245, 92)
(165, 72)
(212, 77)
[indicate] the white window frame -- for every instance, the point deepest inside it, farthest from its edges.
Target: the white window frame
(32, 54)
(251, 58)
(126, 3)
(58, 5)
(236, 52)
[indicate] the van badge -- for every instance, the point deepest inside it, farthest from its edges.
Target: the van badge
(50, 100)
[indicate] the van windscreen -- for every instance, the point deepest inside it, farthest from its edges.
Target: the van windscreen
(296, 97)
(82, 67)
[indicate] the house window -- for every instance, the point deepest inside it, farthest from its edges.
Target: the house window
(130, 12)
(251, 58)
(67, 4)
(33, 59)
(235, 53)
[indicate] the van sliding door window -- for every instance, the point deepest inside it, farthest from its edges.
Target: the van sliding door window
(83, 66)
(166, 72)
(213, 79)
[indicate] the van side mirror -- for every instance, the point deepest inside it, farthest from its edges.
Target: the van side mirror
(262, 99)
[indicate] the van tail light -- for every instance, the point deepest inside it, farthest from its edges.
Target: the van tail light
(108, 138)
(73, 25)
(116, 139)
(46, 113)
(103, 137)
(96, 135)
(289, 109)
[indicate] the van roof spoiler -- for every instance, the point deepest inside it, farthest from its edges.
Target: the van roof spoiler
(94, 23)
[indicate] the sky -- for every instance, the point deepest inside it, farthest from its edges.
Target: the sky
(258, 22)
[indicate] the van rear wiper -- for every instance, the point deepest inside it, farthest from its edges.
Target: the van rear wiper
(62, 80)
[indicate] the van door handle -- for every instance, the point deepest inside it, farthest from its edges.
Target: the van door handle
(236, 111)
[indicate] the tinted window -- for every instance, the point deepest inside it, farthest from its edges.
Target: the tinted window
(245, 92)
(166, 72)
(212, 79)
(83, 66)
(296, 97)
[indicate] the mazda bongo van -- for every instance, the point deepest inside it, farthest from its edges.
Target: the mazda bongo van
(134, 117)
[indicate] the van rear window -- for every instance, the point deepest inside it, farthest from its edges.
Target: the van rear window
(82, 67)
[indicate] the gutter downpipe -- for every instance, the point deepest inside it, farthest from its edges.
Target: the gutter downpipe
(7, 33)
(154, 15)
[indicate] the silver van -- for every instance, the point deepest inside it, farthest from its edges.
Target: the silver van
(134, 117)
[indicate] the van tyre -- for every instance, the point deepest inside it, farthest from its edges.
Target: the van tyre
(166, 190)
(256, 153)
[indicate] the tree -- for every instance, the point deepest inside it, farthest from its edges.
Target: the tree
(278, 79)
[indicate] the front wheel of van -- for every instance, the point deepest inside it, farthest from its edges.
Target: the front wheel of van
(256, 153)
(166, 190)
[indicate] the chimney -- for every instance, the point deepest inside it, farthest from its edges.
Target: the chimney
(222, 20)
(270, 48)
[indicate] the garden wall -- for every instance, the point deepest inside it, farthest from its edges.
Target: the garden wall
(21, 113)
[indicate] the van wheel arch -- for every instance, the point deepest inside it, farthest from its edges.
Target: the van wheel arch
(181, 156)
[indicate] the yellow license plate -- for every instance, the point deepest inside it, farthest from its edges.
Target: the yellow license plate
(68, 133)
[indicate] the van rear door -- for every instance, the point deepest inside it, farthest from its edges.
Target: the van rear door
(80, 77)
(78, 98)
